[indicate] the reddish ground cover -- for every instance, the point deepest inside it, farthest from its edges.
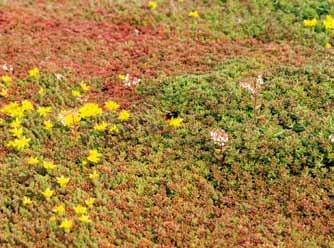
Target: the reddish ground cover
(92, 49)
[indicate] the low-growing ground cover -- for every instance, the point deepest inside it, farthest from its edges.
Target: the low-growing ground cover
(166, 124)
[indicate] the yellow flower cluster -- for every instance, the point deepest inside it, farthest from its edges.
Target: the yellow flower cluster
(175, 122)
(94, 156)
(76, 93)
(26, 201)
(49, 166)
(63, 181)
(69, 118)
(44, 111)
(84, 87)
(47, 193)
(79, 210)
(193, 14)
(113, 128)
(100, 127)
(111, 106)
(16, 132)
(310, 22)
(48, 125)
(329, 22)
(32, 161)
(4, 93)
(94, 176)
(66, 225)
(124, 115)
(6, 79)
(152, 4)
(121, 77)
(59, 210)
(89, 110)
(19, 143)
(34, 72)
(16, 110)
(90, 202)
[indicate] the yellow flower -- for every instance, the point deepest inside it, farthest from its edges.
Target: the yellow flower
(49, 165)
(17, 132)
(48, 125)
(48, 193)
(34, 72)
(15, 123)
(32, 161)
(121, 77)
(4, 92)
(26, 201)
(328, 45)
(76, 93)
(111, 106)
(310, 22)
(27, 105)
(84, 163)
(63, 181)
(59, 210)
(124, 115)
(69, 118)
(175, 122)
(13, 109)
(43, 111)
(94, 176)
(329, 22)
(193, 14)
(94, 156)
(89, 110)
(90, 202)
(80, 210)
(6, 79)
(66, 225)
(84, 87)
(19, 144)
(85, 219)
(52, 218)
(152, 4)
(101, 127)
(113, 129)
(41, 91)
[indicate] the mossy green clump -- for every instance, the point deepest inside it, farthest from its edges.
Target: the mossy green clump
(292, 123)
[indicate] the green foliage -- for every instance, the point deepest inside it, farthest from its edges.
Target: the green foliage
(305, 9)
(290, 130)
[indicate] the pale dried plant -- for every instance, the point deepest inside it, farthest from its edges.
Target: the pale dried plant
(131, 81)
(219, 137)
(331, 138)
(7, 68)
(248, 87)
(254, 89)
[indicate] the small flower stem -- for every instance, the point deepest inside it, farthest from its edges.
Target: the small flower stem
(255, 102)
